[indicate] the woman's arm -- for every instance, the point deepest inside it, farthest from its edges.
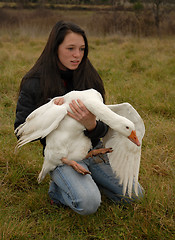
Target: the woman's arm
(94, 129)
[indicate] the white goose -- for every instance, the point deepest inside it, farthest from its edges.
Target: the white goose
(65, 137)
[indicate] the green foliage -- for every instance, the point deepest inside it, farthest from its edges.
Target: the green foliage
(133, 1)
(139, 71)
(138, 6)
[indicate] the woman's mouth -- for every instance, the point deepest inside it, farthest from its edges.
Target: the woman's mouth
(75, 62)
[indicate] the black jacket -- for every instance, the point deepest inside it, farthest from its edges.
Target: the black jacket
(28, 101)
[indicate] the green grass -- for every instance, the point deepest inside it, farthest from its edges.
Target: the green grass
(138, 71)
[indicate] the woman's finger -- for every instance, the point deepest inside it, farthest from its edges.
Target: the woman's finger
(76, 107)
(82, 106)
(75, 114)
(59, 101)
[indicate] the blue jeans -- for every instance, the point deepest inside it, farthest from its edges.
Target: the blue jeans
(82, 193)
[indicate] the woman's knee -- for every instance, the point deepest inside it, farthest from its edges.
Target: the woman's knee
(87, 204)
(78, 192)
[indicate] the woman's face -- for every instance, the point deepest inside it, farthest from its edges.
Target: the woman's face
(71, 51)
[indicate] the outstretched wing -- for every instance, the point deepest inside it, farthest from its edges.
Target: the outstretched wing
(40, 122)
(125, 158)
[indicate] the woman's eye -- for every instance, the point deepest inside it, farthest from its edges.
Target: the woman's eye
(70, 48)
(82, 49)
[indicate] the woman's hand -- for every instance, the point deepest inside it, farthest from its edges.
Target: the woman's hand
(59, 101)
(82, 115)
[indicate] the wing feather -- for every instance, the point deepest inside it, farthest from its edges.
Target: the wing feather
(40, 122)
(125, 158)
(130, 174)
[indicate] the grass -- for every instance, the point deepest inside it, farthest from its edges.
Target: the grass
(140, 71)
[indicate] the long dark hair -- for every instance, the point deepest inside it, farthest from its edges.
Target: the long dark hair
(46, 67)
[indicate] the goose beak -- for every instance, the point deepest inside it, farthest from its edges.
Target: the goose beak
(133, 138)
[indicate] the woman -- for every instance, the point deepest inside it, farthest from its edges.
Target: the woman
(62, 67)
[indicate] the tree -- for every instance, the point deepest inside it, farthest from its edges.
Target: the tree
(157, 12)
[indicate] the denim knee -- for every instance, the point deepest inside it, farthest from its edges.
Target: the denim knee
(88, 204)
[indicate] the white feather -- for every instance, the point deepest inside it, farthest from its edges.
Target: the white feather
(65, 136)
(126, 166)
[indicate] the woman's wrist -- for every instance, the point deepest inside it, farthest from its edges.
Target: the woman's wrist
(91, 127)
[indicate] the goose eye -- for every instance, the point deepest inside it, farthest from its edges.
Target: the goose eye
(127, 127)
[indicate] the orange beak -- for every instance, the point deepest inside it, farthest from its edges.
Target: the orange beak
(134, 138)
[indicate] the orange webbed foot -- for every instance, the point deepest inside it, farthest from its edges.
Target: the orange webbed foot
(76, 166)
(95, 152)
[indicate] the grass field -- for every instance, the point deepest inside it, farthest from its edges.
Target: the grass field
(138, 71)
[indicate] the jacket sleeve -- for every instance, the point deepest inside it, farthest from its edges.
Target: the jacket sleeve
(27, 101)
(98, 132)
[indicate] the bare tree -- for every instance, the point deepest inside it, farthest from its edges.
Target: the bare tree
(157, 12)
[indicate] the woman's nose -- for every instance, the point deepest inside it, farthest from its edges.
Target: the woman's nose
(76, 53)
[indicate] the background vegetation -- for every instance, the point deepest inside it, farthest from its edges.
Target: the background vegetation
(136, 17)
(137, 70)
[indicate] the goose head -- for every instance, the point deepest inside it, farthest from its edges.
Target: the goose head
(127, 128)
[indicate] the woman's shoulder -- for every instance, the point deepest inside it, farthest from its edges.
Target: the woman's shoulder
(30, 89)
(31, 85)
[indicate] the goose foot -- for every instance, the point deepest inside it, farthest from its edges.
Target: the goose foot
(77, 167)
(95, 152)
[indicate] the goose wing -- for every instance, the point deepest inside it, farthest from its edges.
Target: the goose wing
(125, 158)
(40, 122)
